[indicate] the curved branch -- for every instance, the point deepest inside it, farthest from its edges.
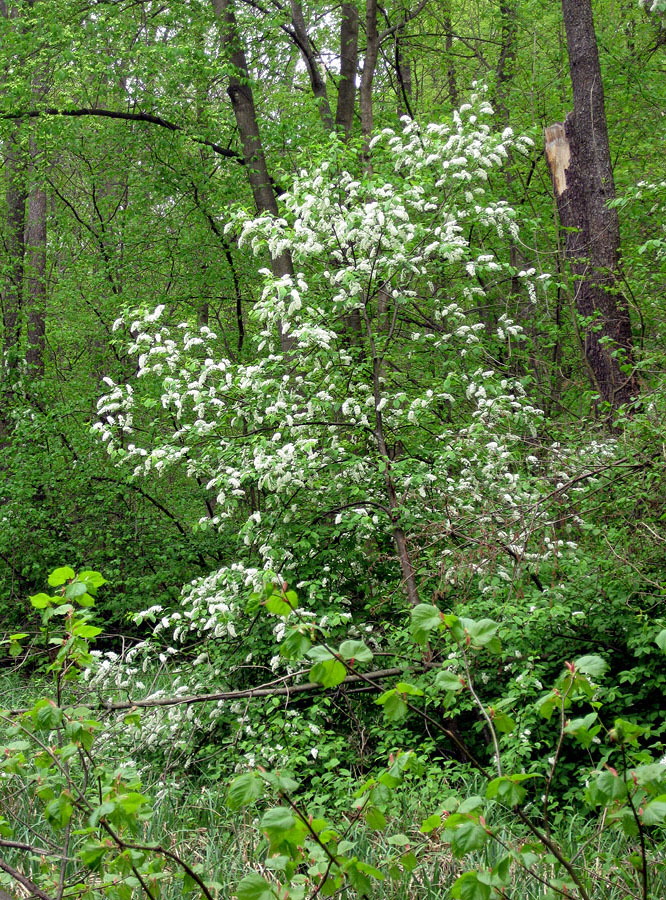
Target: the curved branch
(125, 117)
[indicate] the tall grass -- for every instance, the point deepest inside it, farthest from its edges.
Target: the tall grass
(192, 819)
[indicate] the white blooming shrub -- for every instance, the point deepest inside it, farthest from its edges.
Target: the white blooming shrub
(385, 455)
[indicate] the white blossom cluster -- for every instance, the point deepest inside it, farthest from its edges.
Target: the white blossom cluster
(387, 376)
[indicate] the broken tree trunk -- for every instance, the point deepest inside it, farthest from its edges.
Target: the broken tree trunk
(578, 156)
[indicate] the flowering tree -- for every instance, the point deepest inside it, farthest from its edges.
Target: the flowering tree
(353, 478)
(356, 434)
(353, 465)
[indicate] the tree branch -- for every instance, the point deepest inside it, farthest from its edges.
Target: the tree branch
(125, 117)
(285, 691)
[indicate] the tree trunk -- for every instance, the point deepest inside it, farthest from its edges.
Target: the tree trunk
(12, 292)
(578, 156)
(308, 52)
(450, 66)
(344, 116)
(242, 101)
(507, 56)
(403, 71)
(36, 281)
(369, 66)
(14, 238)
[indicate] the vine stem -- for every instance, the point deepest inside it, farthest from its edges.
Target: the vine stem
(558, 750)
(639, 825)
(484, 713)
(554, 849)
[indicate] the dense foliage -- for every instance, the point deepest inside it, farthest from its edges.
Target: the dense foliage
(294, 354)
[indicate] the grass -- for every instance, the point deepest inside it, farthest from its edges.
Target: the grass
(192, 819)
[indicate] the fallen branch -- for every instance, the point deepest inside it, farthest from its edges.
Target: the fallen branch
(260, 691)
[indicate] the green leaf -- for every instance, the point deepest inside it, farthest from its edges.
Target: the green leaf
(103, 810)
(295, 645)
(375, 818)
(466, 838)
(594, 666)
(278, 820)
(395, 707)
(425, 618)
(92, 855)
(548, 704)
(367, 869)
(653, 774)
(47, 716)
(254, 887)
(360, 882)
(131, 802)
(286, 783)
(355, 650)
(430, 824)
(75, 589)
(611, 786)
(282, 604)
(63, 610)
(503, 723)
(408, 690)
(244, 790)
(60, 576)
(41, 601)
(470, 804)
(398, 840)
(59, 811)
(506, 790)
(502, 871)
(409, 861)
(319, 653)
(329, 673)
(660, 640)
(624, 732)
(582, 729)
(655, 812)
(448, 681)
(468, 887)
(92, 580)
(86, 631)
(483, 634)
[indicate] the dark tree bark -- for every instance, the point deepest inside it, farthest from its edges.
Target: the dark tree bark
(507, 56)
(36, 281)
(403, 71)
(36, 251)
(450, 67)
(369, 66)
(578, 156)
(14, 239)
(242, 101)
(344, 116)
(309, 54)
(12, 291)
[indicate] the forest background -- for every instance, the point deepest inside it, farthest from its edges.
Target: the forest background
(354, 396)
